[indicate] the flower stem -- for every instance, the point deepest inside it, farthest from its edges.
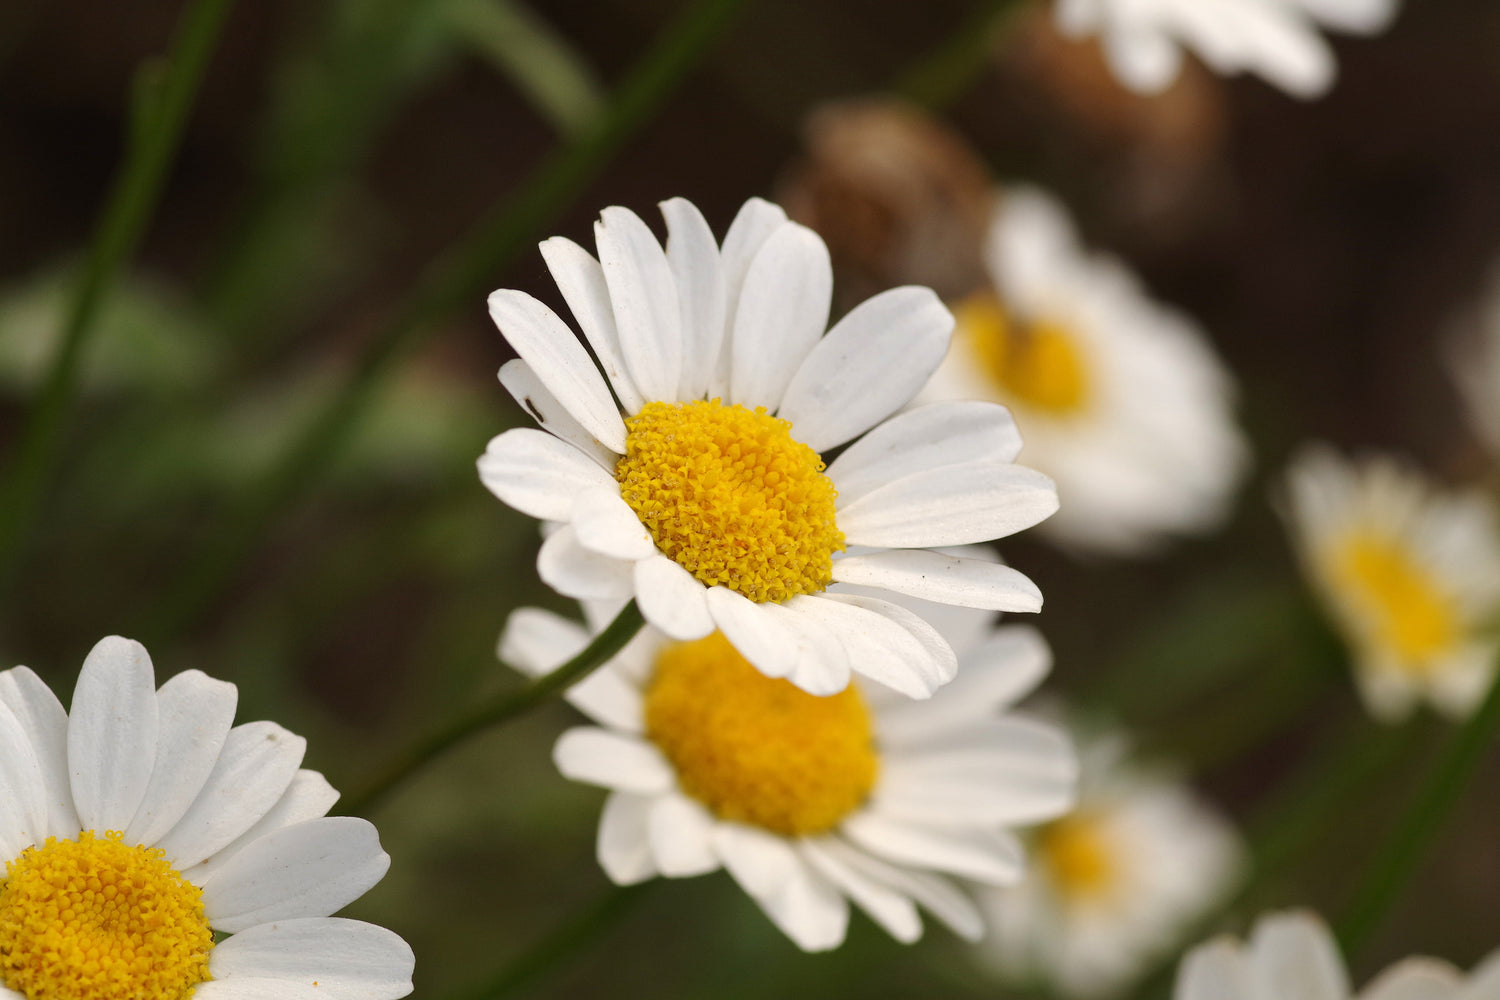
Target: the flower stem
(500, 710)
(941, 76)
(163, 94)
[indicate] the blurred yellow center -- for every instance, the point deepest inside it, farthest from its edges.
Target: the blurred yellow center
(759, 750)
(731, 497)
(1037, 365)
(93, 919)
(1075, 852)
(1411, 615)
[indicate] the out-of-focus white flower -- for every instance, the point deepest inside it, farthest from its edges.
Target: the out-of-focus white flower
(1121, 400)
(809, 802)
(1475, 364)
(1275, 39)
(1114, 884)
(1294, 955)
(708, 502)
(1410, 574)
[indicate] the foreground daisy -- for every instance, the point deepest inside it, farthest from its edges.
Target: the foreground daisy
(142, 825)
(708, 501)
(1113, 884)
(1293, 955)
(1411, 575)
(1123, 402)
(1275, 39)
(808, 802)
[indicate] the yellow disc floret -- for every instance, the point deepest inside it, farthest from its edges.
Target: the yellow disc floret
(93, 919)
(1407, 612)
(731, 497)
(1037, 365)
(759, 750)
(1075, 853)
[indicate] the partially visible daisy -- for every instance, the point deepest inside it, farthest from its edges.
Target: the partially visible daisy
(1410, 573)
(1275, 39)
(1123, 402)
(1114, 884)
(142, 825)
(1294, 955)
(809, 802)
(708, 501)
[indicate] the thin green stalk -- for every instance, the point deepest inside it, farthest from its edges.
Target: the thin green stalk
(163, 95)
(939, 78)
(500, 710)
(1398, 858)
(459, 277)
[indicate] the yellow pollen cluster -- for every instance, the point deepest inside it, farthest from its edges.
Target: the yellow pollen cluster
(759, 750)
(1075, 852)
(1410, 615)
(93, 919)
(731, 497)
(1038, 365)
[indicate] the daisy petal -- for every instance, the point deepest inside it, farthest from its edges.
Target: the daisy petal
(195, 713)
(45, 723)
(921, 441)
(644, 296)
(604, 523)
(761, 862)
(580, 278)
(809, 910)
(782, 312)
(872, 363)
(672, 599)
(694, 257)
(535, 642)
(934, 893)
(876, 646)
(243, 988)
(312, 869)
(1295, 958)
(343, 959)
(992, 676)
(546, 344)
(887, 907)
(23, 798)
(309, 796)
(1416, 979)
(612, 760)
(573, 571)
(933, 576)
(533, 397)
(624, 845)
(822, 666)
(607, 697)
(753, 225)
(1214, 971)
(935, 649)
(112, 734)
(538, 474)
(254, 770)
(681, 834)
(988, 856)
(967, 503)
(760, 637)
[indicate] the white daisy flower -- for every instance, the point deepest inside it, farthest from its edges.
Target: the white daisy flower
(1410, 574)
(708, 502)
(1294, 955)
(141, 825)
(1123, 402)
(1144, 40)
(809, 802)
(1115, 883)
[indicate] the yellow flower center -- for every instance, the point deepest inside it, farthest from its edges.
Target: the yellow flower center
(1037, 365)
(1075, 852)
(1411, 616)
(759, 750)
(93, 919)
(731, 497)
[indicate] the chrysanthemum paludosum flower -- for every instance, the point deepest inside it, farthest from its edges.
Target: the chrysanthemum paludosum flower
(141, 825)
(1113, 884)
(1410, 574)
(809, 802)
(1122, 402)
(1294, 955)
(709, 501)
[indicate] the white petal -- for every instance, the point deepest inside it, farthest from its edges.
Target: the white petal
(244, 988)
(1294, 957)
(782, 311)
(760, 637)
(822, 666)
(1146, 61)
(533, 397)
(983, 855)
(624, 844)
(546, 344)
(809, 910)
(933, 576)
(936, 894)
(872, 363)
(877, 646)
(681, 834)
(573, 571)
(887, 907)
(194, 714)
(924, 440)
(936, 651)
(537, 642)
(112, 734)
(1484, 979)
(538, 474)
(672, 599)
(644, 296)
(309, 796)
(1416, 979)
(967, 503)
(756, 220)
(254, 770)
(694, 257)
(606, 524)
(1214, 971)
(608, 697)
(23, 798)
(611, 760)
(761, 862)
(312, 869)
(580, 278)
(45, 723)
(342, 959)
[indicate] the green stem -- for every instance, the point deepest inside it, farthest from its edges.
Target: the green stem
(605, 646)
(163, 95)
(940, 77)
(458, 277)
(1421, 823)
